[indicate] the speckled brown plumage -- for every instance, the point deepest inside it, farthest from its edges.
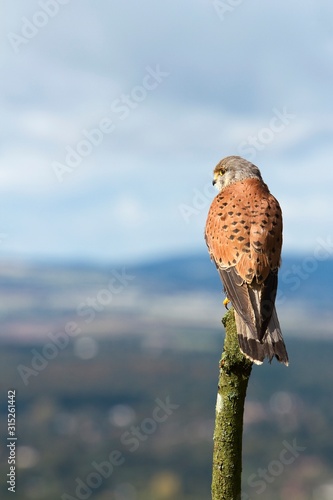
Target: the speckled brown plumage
(244, 238)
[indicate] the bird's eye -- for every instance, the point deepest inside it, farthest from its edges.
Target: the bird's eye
(221, 172)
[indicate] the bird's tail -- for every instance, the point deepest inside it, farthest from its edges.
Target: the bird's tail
(271, 345)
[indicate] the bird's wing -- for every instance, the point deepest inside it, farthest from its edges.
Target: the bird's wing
(244, 238)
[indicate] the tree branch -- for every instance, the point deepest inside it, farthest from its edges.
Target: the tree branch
(235, 371)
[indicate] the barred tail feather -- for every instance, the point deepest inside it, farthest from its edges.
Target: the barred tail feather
(271, 345)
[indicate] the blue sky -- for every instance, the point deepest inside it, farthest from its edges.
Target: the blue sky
(114, 115)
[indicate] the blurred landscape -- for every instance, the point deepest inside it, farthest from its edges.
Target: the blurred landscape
(113, 116)
(115, 371)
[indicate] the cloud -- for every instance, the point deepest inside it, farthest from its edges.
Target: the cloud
(129, 212)
(226, 78)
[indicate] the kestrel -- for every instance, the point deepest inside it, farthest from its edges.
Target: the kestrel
(244, 238)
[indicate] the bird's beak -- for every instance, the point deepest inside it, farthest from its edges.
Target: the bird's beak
(214, 179)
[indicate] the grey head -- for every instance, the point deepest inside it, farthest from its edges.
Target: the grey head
(233, 169)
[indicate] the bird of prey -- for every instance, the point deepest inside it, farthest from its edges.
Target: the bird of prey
(244, 238)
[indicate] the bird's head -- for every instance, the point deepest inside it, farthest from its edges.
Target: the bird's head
(233, 169)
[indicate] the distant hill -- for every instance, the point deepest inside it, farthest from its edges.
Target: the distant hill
(162, 295)
(305, 293)
(303, 276)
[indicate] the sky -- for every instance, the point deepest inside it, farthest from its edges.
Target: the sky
(114, 115)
